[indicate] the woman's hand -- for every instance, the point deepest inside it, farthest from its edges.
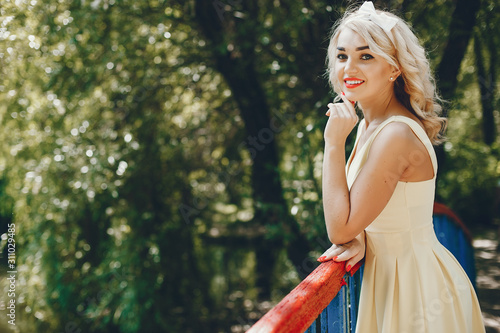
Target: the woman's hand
(352, 252)
(342, 120)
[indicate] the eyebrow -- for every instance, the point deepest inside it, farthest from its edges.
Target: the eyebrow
(340, 48)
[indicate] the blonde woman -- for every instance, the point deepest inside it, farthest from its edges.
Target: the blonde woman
(382, 199)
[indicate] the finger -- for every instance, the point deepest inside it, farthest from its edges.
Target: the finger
(350, 112)
(356, 267)
(328, 258)
(327, 255)
(353, 261)
(335, 113)
(345, 99)
(331, 253)
(344, 256)
(348, 251)
(333, 108)
(349, 104)
(339, 254)
(344, 111)
(340, 110)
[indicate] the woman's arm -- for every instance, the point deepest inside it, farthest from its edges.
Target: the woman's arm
(348, 213)
(336, 196)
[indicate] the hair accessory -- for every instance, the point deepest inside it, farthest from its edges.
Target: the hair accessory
(382, 20)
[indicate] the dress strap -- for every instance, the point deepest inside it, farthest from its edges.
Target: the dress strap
(416, 128)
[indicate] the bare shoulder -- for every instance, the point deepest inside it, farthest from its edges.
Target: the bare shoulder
(397, 136)
(399, 146)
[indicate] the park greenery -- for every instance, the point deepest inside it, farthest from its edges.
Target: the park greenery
(161, 160)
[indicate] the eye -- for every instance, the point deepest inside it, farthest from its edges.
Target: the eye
(341, 56)
(366, 56)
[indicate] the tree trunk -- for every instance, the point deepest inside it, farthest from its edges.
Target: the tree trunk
(236, 64)
(492, 91)
(462, 22)
(486, 80)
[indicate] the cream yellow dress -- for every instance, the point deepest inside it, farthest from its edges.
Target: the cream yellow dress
(411, 282)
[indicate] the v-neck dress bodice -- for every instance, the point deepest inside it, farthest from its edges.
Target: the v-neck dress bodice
(411, 283)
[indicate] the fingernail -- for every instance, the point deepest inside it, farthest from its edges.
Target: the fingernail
(348, 268)
(343, 93)
(321, 258)
(335, 258)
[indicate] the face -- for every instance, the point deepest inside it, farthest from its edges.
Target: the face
(362, 74)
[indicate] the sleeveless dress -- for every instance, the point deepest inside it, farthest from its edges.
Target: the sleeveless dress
(411, 283)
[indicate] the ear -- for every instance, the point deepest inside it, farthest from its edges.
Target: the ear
(395, 73)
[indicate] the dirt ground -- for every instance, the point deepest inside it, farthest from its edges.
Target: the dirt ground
(487, 256)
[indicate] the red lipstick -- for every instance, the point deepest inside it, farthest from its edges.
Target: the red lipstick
(353, 82)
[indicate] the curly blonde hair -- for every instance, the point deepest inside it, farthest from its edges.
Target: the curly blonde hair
(415, 88)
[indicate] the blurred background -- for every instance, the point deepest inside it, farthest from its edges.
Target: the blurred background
(161, 160)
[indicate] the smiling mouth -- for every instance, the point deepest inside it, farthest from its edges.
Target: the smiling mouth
(353, 83)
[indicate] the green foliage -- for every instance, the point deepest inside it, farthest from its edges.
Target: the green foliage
(471, 186)
(96, 117)
(471, 171)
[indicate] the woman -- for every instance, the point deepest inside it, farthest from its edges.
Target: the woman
(384, 196)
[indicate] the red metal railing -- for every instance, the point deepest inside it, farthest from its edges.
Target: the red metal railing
(300, 308)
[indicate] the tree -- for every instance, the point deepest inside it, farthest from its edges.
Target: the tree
(162, 161)
(92, 144)
(484, 42)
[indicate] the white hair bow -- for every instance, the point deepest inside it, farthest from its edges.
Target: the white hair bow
(382, 20)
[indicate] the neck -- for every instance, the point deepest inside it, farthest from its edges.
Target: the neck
(379, 108)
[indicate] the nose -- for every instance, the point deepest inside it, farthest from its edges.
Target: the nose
(350, 67)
